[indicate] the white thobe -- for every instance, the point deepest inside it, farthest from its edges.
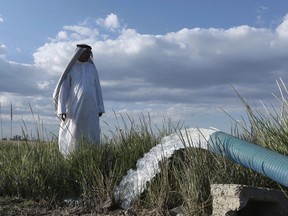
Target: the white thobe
(80, 97)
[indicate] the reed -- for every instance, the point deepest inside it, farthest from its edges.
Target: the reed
(36, 170)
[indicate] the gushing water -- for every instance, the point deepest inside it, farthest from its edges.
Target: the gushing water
(134, 183)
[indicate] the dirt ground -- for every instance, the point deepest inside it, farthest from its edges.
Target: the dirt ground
(16, 206)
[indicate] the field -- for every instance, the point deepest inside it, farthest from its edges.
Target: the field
(36, 180)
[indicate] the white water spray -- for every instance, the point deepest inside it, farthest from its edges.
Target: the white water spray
(134, 183)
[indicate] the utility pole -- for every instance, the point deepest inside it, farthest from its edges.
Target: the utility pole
(11, 118)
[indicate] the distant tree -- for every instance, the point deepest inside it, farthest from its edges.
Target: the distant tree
(16, 137)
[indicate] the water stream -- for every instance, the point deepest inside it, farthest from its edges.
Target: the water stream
(134, 183)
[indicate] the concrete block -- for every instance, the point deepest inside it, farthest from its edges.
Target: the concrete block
(238, 200)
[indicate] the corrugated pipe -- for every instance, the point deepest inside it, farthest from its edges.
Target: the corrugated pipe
(267, 162)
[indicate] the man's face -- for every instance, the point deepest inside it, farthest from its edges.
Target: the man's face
(85, 55)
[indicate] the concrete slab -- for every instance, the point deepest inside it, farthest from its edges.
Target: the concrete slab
(238, 200)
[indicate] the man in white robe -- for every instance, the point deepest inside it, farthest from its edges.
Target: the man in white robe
(78, 101)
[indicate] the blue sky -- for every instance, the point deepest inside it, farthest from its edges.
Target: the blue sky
(171, 59)
(28, 24)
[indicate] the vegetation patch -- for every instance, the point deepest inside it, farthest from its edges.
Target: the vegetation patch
(34, 176)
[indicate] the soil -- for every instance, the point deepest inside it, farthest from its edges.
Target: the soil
(17, 206)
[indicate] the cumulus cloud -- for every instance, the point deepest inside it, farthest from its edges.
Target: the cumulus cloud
(191, 70)
(74, 33)
(110, 22)
(282, 29)
(62, 35)
(137, 67)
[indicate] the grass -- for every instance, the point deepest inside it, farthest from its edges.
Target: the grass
(37, 171)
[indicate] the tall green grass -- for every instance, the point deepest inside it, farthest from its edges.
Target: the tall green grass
(36, 170)
(31, 170)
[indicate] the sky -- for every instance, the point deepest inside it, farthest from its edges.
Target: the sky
(179, 61)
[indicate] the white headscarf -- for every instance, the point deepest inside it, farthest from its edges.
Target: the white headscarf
(74, 59)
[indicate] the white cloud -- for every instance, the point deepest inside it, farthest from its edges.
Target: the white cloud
(45, 85)
(282, 29)
(110, 22)
(2, 50)
(62, 35)
(260, 12)
(82, 32)
(1, 19)
(54, 56)
(176, 64)
(180, 74)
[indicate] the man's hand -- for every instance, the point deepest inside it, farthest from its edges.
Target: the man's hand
(63, 116)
